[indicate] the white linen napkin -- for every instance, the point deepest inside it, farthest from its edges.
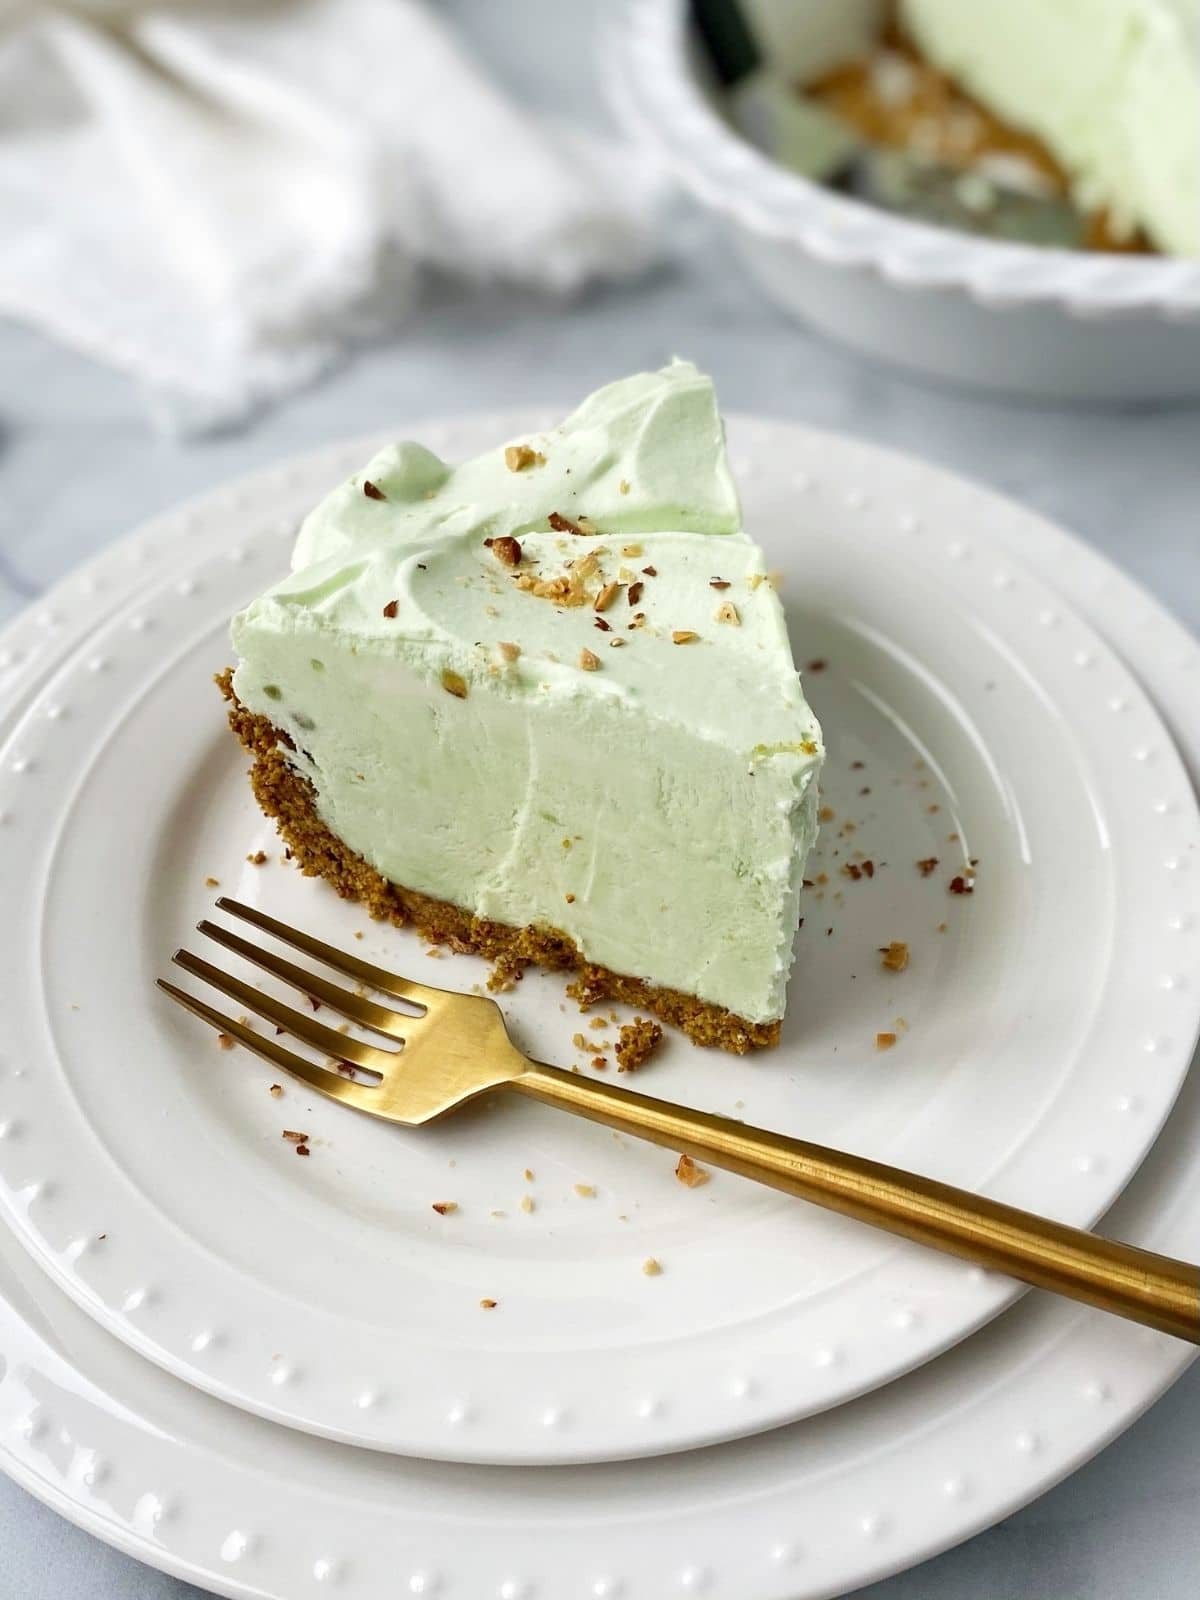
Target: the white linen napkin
(218, 197)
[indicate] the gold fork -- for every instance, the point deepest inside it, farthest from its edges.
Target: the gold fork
(452, 1047)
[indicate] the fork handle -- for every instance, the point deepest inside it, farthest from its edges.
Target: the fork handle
(1132, 1283)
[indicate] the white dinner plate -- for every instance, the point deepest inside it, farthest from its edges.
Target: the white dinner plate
(1045, 1031)
(815, 1510)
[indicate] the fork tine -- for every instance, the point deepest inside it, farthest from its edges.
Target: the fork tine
(305, 1028)
(376, 977)
(326, 1083)
(366, 1012)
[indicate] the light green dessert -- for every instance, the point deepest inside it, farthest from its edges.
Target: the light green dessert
(552, 688)
(1111, 86)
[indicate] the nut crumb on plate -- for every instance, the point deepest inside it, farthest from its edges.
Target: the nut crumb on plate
(257, 858)
(226, 1041)
(884, 1041)
(488, 1304)
(895, 955)
(651, 1267)
(585, 1191)
(293, 1137)
(690, 1174)
(445, 1207)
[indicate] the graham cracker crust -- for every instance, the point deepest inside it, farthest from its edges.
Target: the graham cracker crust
(286, 795)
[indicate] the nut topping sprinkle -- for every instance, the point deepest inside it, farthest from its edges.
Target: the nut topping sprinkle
(562, 524)
(506, 550)
(589, 661)
(518, 457)
(728, 612)
(683, 636)
(372, 490)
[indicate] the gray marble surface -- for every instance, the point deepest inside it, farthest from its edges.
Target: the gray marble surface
(80, 465)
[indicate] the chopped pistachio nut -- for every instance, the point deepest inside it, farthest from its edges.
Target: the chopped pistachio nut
(518, 457)
(895, 955)
(690, 1174)
(506, 550)
(562, 524)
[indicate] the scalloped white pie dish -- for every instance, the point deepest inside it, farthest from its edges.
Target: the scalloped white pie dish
(1064, 324)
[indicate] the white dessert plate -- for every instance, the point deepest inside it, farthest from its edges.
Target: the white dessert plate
(813, 1510)
(1045, 1031)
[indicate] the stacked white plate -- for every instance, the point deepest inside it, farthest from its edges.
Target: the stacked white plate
(325, 1405)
